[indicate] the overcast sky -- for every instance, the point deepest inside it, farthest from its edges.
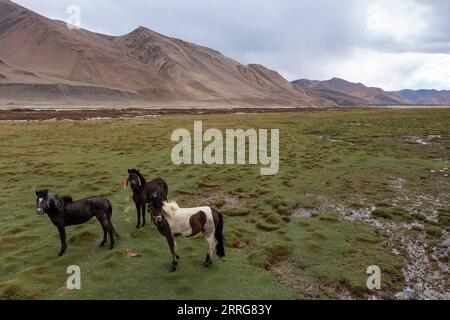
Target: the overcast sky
(390, 44)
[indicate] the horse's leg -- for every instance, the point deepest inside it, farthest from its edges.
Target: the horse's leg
(167, 232)
(138, 208)
(62, 236)
(175, 257)
(105, 238)
(143, 215)
(176, 249)
(104, 223)
(111, 234)
(212, 244)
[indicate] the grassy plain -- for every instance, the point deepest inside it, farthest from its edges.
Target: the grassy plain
(333, 163)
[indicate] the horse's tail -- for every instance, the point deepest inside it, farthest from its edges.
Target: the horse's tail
(220, 249)
(116, 234)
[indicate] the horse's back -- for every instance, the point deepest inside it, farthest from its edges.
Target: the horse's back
(192, 211)
(208, 211)
(90, 204)
(157, 185)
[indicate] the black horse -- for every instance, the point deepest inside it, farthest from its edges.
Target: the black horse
(142, 190)
(64, 212)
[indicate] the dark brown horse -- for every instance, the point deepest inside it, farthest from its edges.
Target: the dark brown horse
(142, 190)
(64, 212)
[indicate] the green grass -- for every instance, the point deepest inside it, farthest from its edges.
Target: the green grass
(396, 214)
(434, 232)
(444, 217)
(338, 253)
(349, 157)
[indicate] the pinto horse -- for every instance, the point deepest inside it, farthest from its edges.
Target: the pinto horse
(173, 221)
(65, 212)
(142, 190)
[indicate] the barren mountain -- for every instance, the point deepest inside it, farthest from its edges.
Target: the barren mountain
(43, 60)
(352, 94)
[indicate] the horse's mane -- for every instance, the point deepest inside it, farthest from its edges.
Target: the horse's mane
(141, 178)
(170, 207)
(60, 201)
(64, 199)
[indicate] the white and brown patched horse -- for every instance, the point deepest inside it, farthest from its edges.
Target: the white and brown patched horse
(173, 221)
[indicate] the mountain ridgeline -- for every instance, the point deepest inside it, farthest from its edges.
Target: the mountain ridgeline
(44, 62)
(345, 93)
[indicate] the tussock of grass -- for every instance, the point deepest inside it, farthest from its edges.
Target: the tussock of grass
(220, 203)
(417, 228)
(307, 203)
(85, 236)
(237, 212)
(314, 235)
(444, 218)
(15, 289)
(270, 254)
(265, 226)
(396, 214)
(368, 238)
(419, 217)
(434, 232)
(383, 205)
(274, 218)
(328, 217)
(7, 242)
(236, 239)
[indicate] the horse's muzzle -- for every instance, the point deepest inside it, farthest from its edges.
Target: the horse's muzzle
(157, 220)
(40, 211)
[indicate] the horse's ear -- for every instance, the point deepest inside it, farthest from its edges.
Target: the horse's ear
(37, 193)
(137, 171)
(129, 170)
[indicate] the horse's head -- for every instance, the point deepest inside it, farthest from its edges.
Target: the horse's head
(155, 206)
(42, 201)
(133, 178)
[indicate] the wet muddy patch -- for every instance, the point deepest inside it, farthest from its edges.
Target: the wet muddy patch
(423, 140)
(426, 256)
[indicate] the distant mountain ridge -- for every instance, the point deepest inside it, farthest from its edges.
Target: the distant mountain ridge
(353, 93)
(347, 93)
(426, 97)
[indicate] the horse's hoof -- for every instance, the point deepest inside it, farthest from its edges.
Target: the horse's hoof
(173, 269)
(138, 226)
(61, 254)
(111, 247)
(207, 264)
(102, 244)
